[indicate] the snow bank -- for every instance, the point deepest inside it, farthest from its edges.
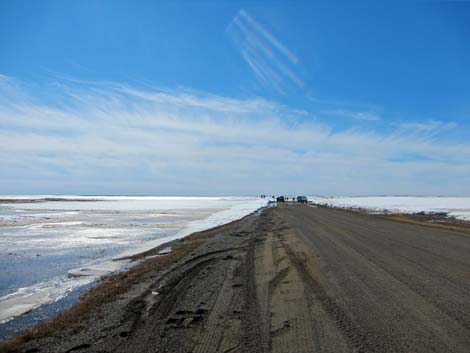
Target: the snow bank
(458, 207)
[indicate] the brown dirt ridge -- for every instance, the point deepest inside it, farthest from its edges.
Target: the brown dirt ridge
(293, 278)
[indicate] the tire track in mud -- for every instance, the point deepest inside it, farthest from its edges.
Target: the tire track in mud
(285, 316)
(149, 330)
(253, 338)
(168, 314)
(212, 335)
(311, 328)
(355, 336)
(348, 329)
(290, 328)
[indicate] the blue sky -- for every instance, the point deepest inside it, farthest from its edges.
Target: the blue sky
(205, 98)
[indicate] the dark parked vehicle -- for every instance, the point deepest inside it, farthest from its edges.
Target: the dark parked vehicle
(280, 199)
(302, 199)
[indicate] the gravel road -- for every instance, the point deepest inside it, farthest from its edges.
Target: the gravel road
(295, 278)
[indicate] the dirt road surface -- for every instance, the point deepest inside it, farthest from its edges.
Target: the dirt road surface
(294, 279)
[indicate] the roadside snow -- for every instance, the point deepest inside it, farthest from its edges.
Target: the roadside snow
(458, 207)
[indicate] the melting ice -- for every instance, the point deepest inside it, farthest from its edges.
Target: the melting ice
(50, 245)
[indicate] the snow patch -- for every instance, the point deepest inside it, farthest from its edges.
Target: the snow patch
(458, 207)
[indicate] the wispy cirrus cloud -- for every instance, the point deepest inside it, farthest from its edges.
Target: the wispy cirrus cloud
(273, 64)
(356, 115)
(114, 138)
(430, 127)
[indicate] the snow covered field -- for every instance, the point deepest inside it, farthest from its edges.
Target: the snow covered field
(49, 248)
(458, 207)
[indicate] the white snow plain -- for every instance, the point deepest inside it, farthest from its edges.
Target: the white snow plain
(458, 207)
(52, 247)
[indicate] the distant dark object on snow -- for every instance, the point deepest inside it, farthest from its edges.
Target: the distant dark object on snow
(302, 199)
(431, 213)
(280, 199)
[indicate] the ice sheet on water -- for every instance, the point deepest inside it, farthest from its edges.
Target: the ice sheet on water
(238, 209)
(49, 247)
(122, 203)
(26, 299)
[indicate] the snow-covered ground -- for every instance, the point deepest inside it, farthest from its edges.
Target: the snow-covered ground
(49, 248)
(458, 207)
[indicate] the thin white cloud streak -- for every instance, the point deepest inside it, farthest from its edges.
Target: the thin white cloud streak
(356, 115)
(111, 138)
(271, 39)
(273, 64)
(428, 128)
